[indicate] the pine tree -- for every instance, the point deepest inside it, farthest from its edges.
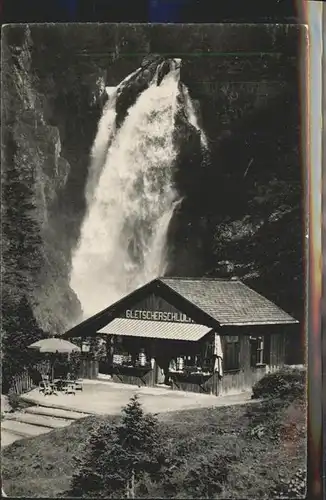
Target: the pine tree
(119, 456)
(19, 329)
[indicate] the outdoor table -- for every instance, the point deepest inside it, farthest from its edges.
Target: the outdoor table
(131, 370)
(58, 382)
(63, 384)
(48, 388)
(199, 378)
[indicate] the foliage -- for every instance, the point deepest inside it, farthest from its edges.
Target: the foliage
(207, 478)
(19, 331)
(74, 364)
(45, 465)
(282, 407)
(15, 402)
(118, 456)
(291, 488)
(64, 364)
(288, 384)
(265, 421)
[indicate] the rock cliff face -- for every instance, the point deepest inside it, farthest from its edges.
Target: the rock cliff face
(35, 173)
(242, 208)
(242, 213)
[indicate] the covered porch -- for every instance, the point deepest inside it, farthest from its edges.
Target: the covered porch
(181, 356)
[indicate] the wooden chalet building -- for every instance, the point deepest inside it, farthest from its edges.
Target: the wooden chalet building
(214, 336)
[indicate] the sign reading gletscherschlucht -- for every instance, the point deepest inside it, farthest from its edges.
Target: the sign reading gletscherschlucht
(154, 308)
(176, 317)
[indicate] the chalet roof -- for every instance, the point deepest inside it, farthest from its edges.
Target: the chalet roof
(230, 301)
(210, 302)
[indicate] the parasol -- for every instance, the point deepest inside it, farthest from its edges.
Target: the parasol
(54, 345)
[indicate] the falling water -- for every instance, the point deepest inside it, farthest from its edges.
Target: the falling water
(131, 196)
(105, 133)
(192, 117)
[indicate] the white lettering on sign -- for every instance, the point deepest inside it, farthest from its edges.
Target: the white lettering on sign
(158, 316)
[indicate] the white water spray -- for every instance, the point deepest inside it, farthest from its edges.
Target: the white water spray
(105, 133)
(192, 117)
(131, 196)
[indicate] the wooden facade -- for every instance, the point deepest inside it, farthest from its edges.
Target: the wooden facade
(236, 378)
(154, 308)
(89, 367)
(242, 378)
(232, 381)
(248, 352)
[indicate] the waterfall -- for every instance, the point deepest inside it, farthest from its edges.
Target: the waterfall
(192, 117)
(130, 194)
(105, 133)
(104, 136)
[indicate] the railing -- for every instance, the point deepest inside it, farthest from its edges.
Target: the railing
(21, 383)
(88, 368)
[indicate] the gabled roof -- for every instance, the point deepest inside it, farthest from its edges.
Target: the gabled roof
(230, 302)
(210, 302)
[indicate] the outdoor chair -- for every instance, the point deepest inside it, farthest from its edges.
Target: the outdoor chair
(69, 388)
(47, 388)
(77, 382)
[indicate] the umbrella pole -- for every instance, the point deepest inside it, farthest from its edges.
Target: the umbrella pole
(52, 367)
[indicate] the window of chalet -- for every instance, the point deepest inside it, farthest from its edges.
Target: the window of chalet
(231, 359)
(259, 350)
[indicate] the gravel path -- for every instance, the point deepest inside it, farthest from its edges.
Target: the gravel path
(105, 398)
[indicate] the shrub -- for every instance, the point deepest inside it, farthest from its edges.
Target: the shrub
(286, 384)
(206, 479)
(291, 488)
(265, 420)
(14, 401)
(74, 364)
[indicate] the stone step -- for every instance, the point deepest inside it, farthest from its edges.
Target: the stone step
(22, 429)
(55, 412)
(39, 420)
(8, 438)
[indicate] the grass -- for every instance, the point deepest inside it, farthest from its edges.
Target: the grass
(266, 439)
